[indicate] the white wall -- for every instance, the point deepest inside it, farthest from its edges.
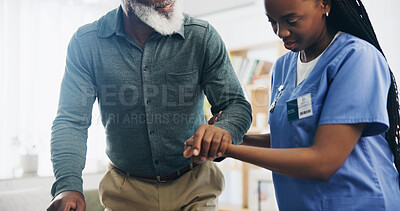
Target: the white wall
(242, 26)
(385, 18)
(247, 26)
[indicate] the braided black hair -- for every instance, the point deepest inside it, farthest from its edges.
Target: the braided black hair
(351, 17)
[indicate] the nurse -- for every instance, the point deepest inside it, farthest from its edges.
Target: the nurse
(334, 113)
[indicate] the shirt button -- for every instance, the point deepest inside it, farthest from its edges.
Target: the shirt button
(156, 162)
(148, 102)
(151, 132)
(145, 68)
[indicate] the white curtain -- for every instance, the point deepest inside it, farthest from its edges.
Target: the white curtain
(34, 36)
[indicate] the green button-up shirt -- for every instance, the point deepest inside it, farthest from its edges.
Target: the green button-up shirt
(151, 100)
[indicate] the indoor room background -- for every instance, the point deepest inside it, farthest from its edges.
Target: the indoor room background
(34, 36)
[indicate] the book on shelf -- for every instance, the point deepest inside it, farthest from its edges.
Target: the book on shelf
(242, 69)
(249, 70)
(236, 63)
(261, 73)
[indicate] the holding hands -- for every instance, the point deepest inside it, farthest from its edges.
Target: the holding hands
(208, 142)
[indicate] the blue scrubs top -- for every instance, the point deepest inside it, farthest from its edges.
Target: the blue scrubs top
(348, 85)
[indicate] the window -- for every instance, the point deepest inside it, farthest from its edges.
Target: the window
(34, 35)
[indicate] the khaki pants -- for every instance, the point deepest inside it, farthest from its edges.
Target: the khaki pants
(197, 189)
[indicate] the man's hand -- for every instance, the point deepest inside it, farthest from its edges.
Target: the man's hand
(207, 143)
(68, 200)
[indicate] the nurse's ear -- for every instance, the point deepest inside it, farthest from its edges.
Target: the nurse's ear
(325, 6)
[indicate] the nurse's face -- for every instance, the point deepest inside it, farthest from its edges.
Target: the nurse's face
(301, 24)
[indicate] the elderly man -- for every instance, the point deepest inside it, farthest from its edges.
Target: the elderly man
(149, 66)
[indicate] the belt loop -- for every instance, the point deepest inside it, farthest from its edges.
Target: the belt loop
(191, 166)
(159, 179)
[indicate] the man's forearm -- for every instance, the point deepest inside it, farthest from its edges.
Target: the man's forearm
(68, 154)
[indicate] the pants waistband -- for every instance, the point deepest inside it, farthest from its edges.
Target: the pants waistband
(163, 178)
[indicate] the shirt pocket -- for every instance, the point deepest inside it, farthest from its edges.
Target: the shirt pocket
(304, 129)
(182, 89)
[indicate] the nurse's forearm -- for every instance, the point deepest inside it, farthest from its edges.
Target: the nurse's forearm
(257, 140)
(294, 162)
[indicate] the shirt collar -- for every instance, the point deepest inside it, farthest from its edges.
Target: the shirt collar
(181, 31)
(112, 23)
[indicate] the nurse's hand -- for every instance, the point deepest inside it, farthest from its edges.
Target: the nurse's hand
(207, 143)
(214, 119)
(188, 151)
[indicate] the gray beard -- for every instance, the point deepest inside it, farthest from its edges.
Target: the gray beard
(162, 22)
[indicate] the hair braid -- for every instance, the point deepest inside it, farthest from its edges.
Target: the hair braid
(350, 16)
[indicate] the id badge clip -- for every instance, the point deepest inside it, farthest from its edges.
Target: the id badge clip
(280, 89)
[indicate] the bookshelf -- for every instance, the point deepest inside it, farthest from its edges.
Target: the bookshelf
(252, 65)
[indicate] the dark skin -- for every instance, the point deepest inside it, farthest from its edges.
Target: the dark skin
(139, 32)
(68, 200)
(294, 26)
(207, 146)
(301, 24)
(134, 27)
(211, 136)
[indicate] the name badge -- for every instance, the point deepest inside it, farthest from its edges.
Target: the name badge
(299, 108)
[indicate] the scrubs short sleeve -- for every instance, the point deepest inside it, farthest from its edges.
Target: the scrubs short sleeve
(359, 89)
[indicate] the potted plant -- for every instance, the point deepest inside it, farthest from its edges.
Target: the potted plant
(29, 157)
